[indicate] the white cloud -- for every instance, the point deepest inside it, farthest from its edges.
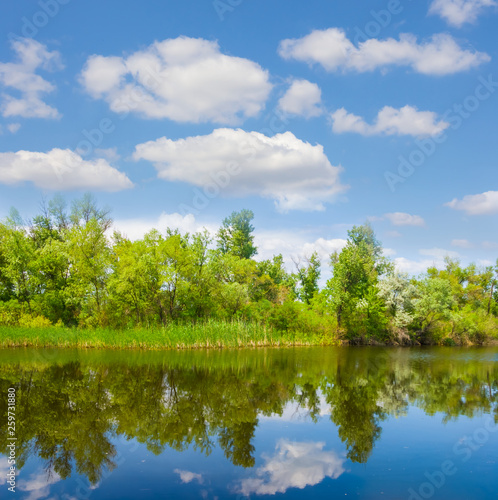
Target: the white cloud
(295, 174)
(390, 121)
(438, 253)
(22, 76)
(303, 98)
(183, 79)
(293, 465)
(436, 259)
(331, 48)
(136, 228)
(459, 12)
(415, 267)
(295, 244)
(476, 204)
(461, 243)
(13, 127)
(388, 252)
(187, 476)
(404, 219)
(60, 169)
(110, 154)
(324, 248)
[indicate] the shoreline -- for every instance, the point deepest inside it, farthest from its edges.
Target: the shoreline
(210, 336)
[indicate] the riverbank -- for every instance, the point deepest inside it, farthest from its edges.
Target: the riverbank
(211, 334)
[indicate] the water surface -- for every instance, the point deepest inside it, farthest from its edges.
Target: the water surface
(369, 423)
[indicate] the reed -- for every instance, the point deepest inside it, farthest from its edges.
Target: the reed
(208, 334)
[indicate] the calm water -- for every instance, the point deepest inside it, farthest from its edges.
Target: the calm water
(369, 423)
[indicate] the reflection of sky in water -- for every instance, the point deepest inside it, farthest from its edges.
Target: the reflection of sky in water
(296, 457)
(293, 465)
(366, 434)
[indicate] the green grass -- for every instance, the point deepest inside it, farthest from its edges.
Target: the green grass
(210, 334)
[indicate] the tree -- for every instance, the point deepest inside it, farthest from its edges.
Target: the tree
(235, 235)
(308, 277)
(398, 293)
(90, 254)
(355, 270)
(434, 302)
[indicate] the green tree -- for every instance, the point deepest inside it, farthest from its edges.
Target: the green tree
(307, 277)
(355, 271)
(235, 235)
(434, 302)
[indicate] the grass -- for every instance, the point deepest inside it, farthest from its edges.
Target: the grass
(210, 334)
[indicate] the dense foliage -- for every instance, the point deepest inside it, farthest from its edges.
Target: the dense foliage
(66, 268)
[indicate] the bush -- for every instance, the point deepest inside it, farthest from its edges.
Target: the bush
(30, 321)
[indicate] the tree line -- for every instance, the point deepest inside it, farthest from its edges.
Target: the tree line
(65, 267)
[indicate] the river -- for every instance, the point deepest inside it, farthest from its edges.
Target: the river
(323, 422)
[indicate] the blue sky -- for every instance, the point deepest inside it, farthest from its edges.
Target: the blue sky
(315, 115)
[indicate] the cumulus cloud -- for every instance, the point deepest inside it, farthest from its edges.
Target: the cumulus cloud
(60, 169)
(187, 476)
(440, 55)
(293, 173)
(183, 79)
(293, 465)
(390, 121)
(22, 76)
(476, 204)
(303, 98)
(459, 12)
(404, 219)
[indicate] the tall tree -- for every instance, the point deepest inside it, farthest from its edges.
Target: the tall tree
(235, 235)
(308, 276)
(355, 270)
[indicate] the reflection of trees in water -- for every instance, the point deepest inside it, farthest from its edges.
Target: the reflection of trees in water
(69, 413)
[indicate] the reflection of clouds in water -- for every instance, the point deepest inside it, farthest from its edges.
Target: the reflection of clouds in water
(187, 476)
(4, 468)
(38, 484)
(294, 465)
